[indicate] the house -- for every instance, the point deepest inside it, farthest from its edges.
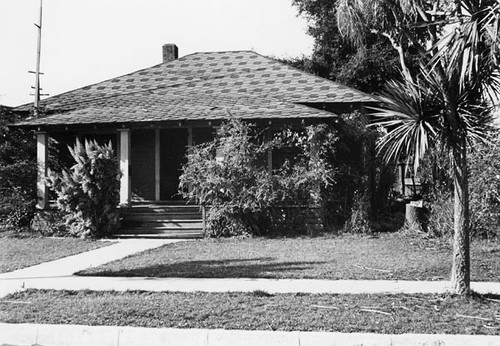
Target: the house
(152, 115)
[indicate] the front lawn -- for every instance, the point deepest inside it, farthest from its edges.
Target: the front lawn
(394, 314)
(388, 256)
(26, 251)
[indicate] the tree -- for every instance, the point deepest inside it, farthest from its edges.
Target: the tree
(449, 101)
(408, 25)
(17, 170)
(362, 67)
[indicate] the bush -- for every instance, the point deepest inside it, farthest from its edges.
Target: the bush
(484, 190)
(332, 163)
(18, 209)
(88, 193)
(18, 170)
(484, 182)
(244, 197)
(364, 182)
(359, 222)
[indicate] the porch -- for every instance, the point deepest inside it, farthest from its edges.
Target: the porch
(150, 161)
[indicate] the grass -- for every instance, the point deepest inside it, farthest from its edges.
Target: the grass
(395, 314)
(18, 252)
(387, 256)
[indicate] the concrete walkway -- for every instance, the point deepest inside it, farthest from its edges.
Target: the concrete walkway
(59, 270)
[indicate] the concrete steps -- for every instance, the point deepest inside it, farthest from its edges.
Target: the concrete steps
(152, 220)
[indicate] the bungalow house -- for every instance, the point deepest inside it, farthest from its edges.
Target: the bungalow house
(152, 115)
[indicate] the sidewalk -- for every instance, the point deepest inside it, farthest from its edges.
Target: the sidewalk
(241, 285)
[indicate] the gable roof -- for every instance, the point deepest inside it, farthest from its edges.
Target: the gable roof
(200, 86)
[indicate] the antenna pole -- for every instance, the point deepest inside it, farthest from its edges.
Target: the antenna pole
(37, 71)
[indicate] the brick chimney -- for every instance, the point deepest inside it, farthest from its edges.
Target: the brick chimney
(170, 52)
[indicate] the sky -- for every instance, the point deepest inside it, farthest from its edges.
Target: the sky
(88, 41)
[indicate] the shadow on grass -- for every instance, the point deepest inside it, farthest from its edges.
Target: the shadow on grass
(486, 296)
(228, 268)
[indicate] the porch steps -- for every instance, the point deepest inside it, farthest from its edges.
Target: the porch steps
(161, 221)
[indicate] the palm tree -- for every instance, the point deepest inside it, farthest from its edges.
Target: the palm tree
(450, 102)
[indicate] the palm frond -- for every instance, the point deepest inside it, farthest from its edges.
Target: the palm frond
(472, 47)
(410, 117)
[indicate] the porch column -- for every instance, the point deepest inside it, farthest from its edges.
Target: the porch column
(269, 151)
(124, 157)
(42, 156)
(157, 164)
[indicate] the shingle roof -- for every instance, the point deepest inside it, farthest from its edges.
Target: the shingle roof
(200, 86)
(156, 106)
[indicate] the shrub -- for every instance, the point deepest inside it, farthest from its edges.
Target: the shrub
(484, 182)
(18, 171)
(359, 222)
(332, 163)
(484, 190)
(50, 223)
(19, 209)
(441, 214)
(364, 181)
(244, 197)
(88, 193)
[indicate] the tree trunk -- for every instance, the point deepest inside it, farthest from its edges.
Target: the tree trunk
(460, 272)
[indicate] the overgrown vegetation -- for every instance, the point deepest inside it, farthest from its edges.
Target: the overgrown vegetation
(319, 173)
(364, 183)
(484, 185)
(88, 193)
(227, 174)
(18, 171)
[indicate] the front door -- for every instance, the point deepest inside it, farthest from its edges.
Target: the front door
(173, 146)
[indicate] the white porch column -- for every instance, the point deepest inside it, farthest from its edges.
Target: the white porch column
(157, 164)
(42, 156)
(124, 157)
(269, 151)
(189, 146)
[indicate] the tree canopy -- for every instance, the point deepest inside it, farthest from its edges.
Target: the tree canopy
(334, 57)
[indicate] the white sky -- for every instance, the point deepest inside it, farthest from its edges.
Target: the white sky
(87, 41)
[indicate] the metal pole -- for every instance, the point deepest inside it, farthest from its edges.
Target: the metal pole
(37, 71)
